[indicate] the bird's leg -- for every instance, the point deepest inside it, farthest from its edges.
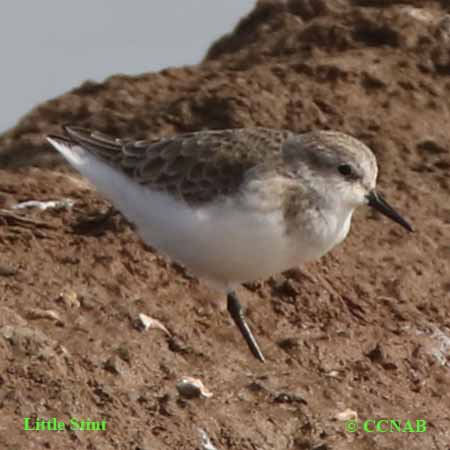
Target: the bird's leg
(235, 309)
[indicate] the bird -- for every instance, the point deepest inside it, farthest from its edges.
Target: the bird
(234, 205)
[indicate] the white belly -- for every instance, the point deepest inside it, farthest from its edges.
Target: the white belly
(222, 243)
(225, 243)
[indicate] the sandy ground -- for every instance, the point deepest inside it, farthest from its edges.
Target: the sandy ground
(367, 328)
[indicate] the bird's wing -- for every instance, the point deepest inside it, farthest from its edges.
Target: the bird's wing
(196, 167)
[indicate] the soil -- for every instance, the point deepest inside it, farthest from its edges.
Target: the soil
(366, 328)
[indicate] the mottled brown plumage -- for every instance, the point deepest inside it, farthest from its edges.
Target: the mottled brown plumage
(196, 167)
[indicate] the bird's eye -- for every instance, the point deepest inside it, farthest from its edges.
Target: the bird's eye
(345, 169)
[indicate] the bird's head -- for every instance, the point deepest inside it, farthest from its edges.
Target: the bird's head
(338, 166)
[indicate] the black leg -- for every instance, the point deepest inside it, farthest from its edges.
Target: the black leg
(235, 310)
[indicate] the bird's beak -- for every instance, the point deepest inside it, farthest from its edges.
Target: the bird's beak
(379, 203)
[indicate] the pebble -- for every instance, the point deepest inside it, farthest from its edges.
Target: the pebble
(7, 271)
(70, 299)
(348, 414)
(189, 387)
(115, 365)
(37, 313)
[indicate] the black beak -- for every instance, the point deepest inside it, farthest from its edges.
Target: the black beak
(379, 203)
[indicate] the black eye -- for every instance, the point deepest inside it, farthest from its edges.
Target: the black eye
(345, 169)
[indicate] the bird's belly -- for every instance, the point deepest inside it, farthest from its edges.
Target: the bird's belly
(225, 244)
(233, 246)
(228, 244)
(239, 257)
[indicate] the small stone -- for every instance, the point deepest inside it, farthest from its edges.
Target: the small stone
(87, 303)
(7, 332)
(289, 397)
(192, 388)
(115, 365)
(376, 355)
(37, 313)
(284, 287)
(348, 414)
(373, 79)
(431, 146)
(289, 344)
(123, 352)
(176, 345)
(7, 271)
(70, 299)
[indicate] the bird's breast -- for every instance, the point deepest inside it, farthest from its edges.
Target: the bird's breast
(317, 231)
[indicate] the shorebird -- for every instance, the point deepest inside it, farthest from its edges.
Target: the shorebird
(235, 205)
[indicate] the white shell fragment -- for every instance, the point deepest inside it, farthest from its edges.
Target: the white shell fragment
(145, 322)
(65, 203)
(348, 414)
(332, 374)
(206, 443)
(192, 388)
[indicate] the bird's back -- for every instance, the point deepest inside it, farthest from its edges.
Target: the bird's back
(194, 167)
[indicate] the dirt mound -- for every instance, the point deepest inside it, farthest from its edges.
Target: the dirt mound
(367, 328)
